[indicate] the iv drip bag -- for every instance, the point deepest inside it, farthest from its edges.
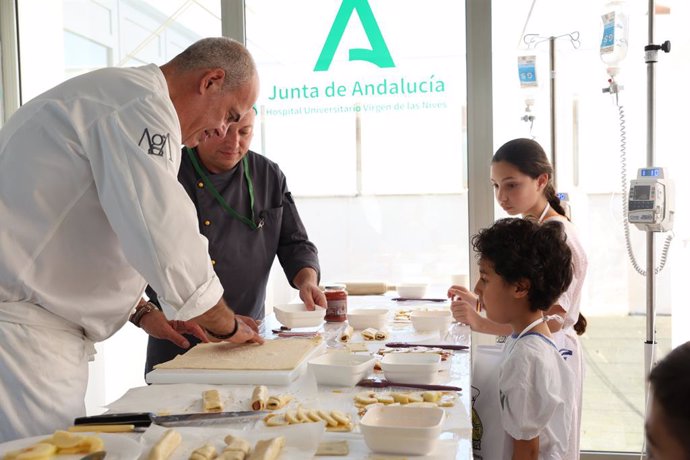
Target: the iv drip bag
(614, 40)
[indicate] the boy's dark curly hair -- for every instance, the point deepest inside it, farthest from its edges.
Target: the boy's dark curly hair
(520, 249)
(670, 381)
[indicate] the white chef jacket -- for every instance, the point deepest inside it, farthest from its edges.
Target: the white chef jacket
(566, 339)
(90, 204)
(90, 211)
(535, 388)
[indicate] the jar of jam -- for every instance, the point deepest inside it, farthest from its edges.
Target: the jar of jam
(336, 298)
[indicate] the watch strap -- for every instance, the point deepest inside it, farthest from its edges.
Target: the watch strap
(140, 311)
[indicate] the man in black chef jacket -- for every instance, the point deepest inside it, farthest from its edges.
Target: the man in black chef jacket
(245, 210)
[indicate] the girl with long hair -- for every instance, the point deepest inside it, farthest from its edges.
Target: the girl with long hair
(522, 178)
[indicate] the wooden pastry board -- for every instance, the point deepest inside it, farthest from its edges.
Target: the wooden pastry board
(241, 377)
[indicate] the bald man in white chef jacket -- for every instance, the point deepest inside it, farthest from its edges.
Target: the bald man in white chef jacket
(91, 211)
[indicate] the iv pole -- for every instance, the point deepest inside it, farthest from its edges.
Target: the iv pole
(651, 52)
(532, 40)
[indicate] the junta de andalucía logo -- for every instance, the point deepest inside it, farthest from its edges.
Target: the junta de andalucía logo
(377, 55)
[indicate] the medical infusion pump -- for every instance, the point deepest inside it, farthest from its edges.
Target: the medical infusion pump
(650, 201)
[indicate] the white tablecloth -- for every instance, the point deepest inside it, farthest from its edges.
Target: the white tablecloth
(176, 398)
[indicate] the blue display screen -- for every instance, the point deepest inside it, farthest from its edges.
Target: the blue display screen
(650, 172)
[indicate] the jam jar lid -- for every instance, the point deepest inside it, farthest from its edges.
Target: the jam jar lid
(335, 287)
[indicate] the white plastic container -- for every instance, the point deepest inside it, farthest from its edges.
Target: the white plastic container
(367, 317)
(402, 430)
(412, 290)
(431, 320)
(296, 315)
(341, 368)
(411, 367)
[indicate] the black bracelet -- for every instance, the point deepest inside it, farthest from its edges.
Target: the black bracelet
(225, 336)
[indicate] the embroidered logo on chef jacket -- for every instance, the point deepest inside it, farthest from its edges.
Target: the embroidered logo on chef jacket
(157, 144)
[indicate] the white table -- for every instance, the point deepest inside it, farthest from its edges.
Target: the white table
(455, 443)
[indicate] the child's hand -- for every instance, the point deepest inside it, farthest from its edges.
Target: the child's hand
(462, 293)
(466, 313)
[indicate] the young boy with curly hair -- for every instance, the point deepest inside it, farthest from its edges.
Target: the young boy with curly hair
(524, 267)
(668, 417)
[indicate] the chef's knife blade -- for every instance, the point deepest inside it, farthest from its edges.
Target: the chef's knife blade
(139, 419)
(207, 418)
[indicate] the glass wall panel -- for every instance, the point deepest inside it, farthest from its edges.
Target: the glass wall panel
(59, 40)
(62, 39)
(362, 105)
(588, 167)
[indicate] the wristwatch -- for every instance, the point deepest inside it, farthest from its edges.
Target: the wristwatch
(225, 336)
(140, 311)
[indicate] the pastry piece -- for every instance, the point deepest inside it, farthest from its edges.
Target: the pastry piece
(302, 416)
(335, 448)
(340, 428)
(275, 420)
(69, 443)
(314, 415)
(237, 443)
(64, 439)
(422, 404)
(91, 444)
(446, 402)
(291, 417)
(340, 417)
(277, 402)
(402, 398)
(205, 452)
(366, 397)
(87, 444)
(355, 347)
(377, 365)
(165, 446)
(38, 451)
(231, 455)
(268, 449)
(335, 420)
(259, 397)
(415, 397)
(385, 398)
(363, 409)
(402, 315)
(326, 417)
(431, 396)
(211, 401)
(344, 422)
(346, 334)
(381, 335)
(411, 398)
(369, 333)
